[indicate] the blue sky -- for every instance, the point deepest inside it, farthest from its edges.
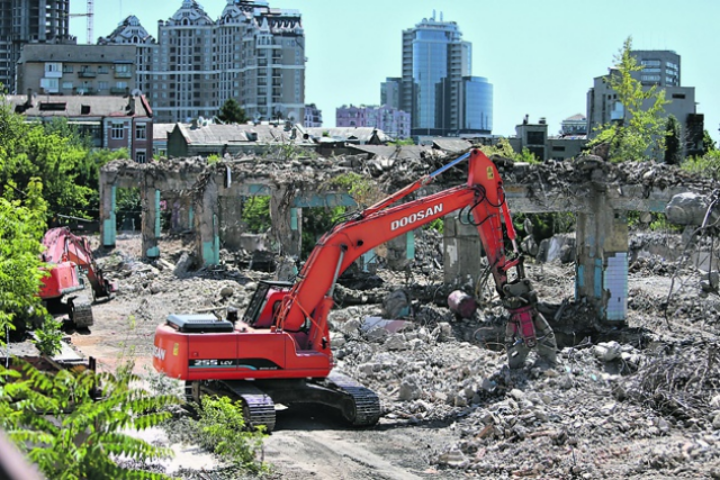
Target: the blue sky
(540, 56)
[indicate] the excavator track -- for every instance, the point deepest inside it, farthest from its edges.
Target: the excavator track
(365, 408)
(258, 407)
(81, 312)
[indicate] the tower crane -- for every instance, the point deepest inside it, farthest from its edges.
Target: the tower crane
(89, 16)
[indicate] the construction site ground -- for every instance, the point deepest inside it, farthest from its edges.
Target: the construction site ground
(640, 401)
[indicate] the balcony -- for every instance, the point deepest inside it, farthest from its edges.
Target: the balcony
(118, 91)
(87, 74)
(123, 74)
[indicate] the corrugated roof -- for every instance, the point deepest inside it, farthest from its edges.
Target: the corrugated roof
(161, 130)
(77, 106)
(362, 134)
(215, 134)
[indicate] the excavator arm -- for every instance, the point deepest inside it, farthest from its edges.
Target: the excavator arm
(61, 246)
(310, 298)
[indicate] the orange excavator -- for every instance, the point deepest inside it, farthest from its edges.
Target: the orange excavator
(279, 352)
(74, 280)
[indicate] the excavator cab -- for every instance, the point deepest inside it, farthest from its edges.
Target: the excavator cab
(265, 302)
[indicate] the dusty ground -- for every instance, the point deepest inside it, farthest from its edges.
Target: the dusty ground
(645, 407)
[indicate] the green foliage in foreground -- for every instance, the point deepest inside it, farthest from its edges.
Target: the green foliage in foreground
(22, 225)
(222, 430)
(55, 421)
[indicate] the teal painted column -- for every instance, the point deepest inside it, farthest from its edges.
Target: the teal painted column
(410, 245)
(109, 224)
(206, 221)
(602, 260)
(211, 248)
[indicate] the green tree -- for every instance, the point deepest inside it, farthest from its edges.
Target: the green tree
(232, 112)
(641, 134)
(22, 225)
(92, 414)
(708, 142)
(28, 152)
(673, 142)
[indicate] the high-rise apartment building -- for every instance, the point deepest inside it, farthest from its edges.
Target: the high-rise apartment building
(29, 21)
(437, 87)
(253, 53)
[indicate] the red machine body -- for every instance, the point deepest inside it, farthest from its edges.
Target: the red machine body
(284, 333)
(70, 264)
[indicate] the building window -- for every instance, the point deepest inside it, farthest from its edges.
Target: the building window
(67, 85)
(103, 69)
(140, 130)
(53, 67)
(140, 156)
(103, 85)
(121, 85)
(50, 85)
(117, 131)
(67, 69)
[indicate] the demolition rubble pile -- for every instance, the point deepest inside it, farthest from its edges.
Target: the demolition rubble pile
(641, 401)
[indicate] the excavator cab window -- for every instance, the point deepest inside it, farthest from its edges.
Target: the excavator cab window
(259, 300)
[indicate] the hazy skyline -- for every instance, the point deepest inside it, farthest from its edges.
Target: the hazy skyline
(541, 57)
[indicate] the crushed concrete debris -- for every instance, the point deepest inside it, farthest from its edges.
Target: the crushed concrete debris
(625, 401)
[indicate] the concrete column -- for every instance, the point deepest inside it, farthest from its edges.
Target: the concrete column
(602, 260)
(397, 253)
(150, 198)
(462, 252)
(207, 225)
(286, 223)
(231, 220)
(108, 222)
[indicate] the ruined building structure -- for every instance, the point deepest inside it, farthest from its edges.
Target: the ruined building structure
(29, 21)
(253, 53)
(207, 199)
(437, 87)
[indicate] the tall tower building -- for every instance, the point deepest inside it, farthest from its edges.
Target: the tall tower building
(437, 86)
(29, 21)
(253, 53)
